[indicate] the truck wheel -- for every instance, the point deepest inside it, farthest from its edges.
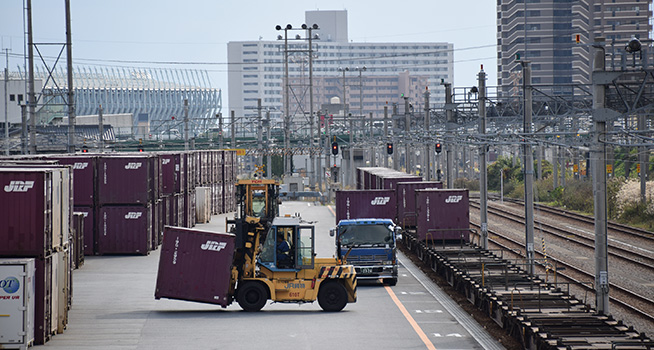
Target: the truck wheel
(252, 296)
(332, 296)
(390, 281)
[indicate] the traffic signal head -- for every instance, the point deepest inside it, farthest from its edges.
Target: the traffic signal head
(334, 148)
(389, 148)
(439, 147)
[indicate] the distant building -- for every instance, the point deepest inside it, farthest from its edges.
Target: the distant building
(544, 32)
(152, 99)
(257, 70)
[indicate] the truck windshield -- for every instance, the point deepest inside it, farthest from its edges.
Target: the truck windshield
(366, 235)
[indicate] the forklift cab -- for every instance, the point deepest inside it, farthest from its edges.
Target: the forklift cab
(288, 245)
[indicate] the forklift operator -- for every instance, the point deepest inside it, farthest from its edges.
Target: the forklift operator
(283, 259)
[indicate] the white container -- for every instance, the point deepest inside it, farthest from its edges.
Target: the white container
(56, 295)
(16, 303)
(202, 205)
(62, 275)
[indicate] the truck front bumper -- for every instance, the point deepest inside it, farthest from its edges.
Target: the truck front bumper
(373, 272)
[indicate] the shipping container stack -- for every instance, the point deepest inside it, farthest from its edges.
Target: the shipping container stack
(35, 225)
(124, 208)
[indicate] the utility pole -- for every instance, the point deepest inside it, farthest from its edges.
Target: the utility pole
(351, 167)
(529, 167)
(427, 164)
(396, 129)
(71, 90)
(384, 154)
(259, 132)
(100, 130)
(6, 106)
(450, 127)
(233, 120)
(599, 182)
(315, 161)
(31, 97)
(186, 124)
(407, 130)
(483, 171)
(221, 140)
(373, 158)
(268, 160)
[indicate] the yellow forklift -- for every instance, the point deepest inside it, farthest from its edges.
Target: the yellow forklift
(274, 256)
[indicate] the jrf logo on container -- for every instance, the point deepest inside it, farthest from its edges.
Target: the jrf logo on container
(133, 215)
(133, 166)
(380, 200)
(80, 166)
(213, 245)
(453, 199)
(19, 186)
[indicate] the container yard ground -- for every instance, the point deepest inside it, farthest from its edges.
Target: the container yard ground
(114, 308)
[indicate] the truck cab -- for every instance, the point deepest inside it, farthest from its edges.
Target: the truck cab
(369, 245)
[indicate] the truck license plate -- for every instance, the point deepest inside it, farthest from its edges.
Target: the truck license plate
(366, 270)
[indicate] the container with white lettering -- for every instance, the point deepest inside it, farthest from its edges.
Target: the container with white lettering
(26, 211)
(124, 229)
(365, 204)
(195, 265)
(443, 215)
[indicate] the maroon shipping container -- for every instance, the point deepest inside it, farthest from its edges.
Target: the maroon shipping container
(172, 173)
(443, 215)
(406, 200)
(365, 204)
(390, 182)
(124, 179)
(26, 212)
(89, 229)
(84, 177)
(195, 265)
(124, 229)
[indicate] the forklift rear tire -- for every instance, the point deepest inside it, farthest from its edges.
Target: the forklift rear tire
(252, 296)
(332, 296)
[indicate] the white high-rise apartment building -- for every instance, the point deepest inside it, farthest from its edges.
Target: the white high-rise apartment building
(257, 71)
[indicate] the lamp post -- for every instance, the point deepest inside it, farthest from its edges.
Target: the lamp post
(345, 117)
(287, 87)
(361, 70)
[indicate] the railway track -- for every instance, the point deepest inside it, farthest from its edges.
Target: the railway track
(625, 297)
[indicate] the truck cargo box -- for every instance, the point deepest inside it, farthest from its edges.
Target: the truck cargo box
(365, 204)
(406, 201)
(443, 215)
(195, 265)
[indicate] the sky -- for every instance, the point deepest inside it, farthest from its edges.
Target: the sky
(193, 34)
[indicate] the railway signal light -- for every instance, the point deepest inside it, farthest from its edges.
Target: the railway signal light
(389, 148)
(334, 148)
(439, 147)
(578, 38)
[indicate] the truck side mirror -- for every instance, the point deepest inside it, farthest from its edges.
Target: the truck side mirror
(332, 232)
(398, 233)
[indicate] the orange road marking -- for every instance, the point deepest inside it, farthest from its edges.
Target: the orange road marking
(412, 322)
